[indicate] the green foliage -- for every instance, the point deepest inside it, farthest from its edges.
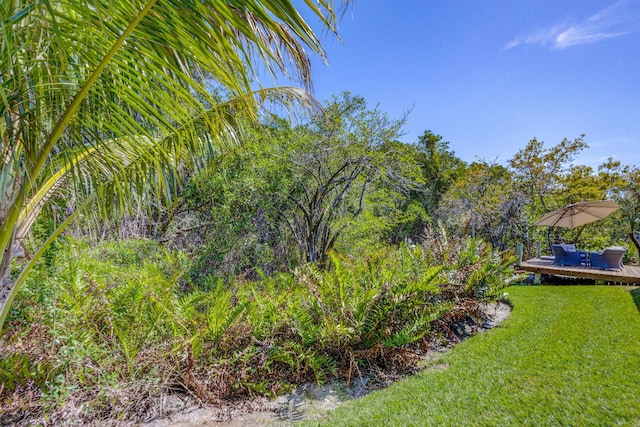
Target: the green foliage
(303, 360)
(440, 167)
(109, 317)
(239, 202)
(17, 369)
(84, 117)
(337, 161)
(501, 204)
(469, 263)
(387, 217)
(391, 307)
(103, 317)
(539, 170)
(292, 193)
(484, 202)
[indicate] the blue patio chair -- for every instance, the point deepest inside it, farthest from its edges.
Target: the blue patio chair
(609, 259)
(567, 254)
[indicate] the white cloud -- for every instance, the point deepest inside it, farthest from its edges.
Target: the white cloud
(613, 21)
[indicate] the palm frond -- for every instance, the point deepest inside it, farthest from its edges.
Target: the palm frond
(78, 75)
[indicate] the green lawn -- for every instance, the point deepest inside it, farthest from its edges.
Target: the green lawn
(566, 356)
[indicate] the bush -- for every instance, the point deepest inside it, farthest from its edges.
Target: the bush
(113, 318)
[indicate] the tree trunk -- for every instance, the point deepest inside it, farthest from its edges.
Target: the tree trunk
(6, 284)
(635, 238)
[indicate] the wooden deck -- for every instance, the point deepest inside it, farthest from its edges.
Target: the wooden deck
(629, 274)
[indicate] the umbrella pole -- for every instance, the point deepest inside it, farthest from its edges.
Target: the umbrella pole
(575, 239)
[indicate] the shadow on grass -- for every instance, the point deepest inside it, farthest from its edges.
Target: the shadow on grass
(566, 281)
(550, 280)
(635, 294)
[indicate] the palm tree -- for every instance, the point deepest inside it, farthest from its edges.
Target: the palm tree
(110, 98)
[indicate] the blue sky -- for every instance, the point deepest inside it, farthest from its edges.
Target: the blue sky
(490, 75)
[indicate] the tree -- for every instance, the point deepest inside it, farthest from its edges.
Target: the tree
(440, 167)
(578, 184)
(291, 193)
(100, 98)
(233, 212)
(486, 201)
(338, 159)
(622, 183)
(538, 175)
(538, 170)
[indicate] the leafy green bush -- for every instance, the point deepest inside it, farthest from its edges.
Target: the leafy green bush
(470, 263)
(116, 318)
(102, 318)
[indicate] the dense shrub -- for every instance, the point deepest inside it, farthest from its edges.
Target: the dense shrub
(102, 325)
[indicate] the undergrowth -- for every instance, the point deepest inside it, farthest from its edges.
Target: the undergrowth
(100, 334)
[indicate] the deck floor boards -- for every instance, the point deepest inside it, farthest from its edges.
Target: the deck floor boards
(628, 274)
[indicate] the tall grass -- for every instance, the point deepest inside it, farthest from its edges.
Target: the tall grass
(107, 330)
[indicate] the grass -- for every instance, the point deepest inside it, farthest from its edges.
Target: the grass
(566, 356)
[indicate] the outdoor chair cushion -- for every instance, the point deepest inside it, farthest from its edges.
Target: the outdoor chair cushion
(610, 258)
(568, 247)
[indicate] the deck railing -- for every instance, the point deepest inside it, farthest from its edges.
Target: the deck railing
(530, 250)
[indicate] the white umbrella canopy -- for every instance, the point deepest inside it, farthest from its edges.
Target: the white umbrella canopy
(578, 214)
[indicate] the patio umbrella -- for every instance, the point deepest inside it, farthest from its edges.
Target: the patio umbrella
(578, 214)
